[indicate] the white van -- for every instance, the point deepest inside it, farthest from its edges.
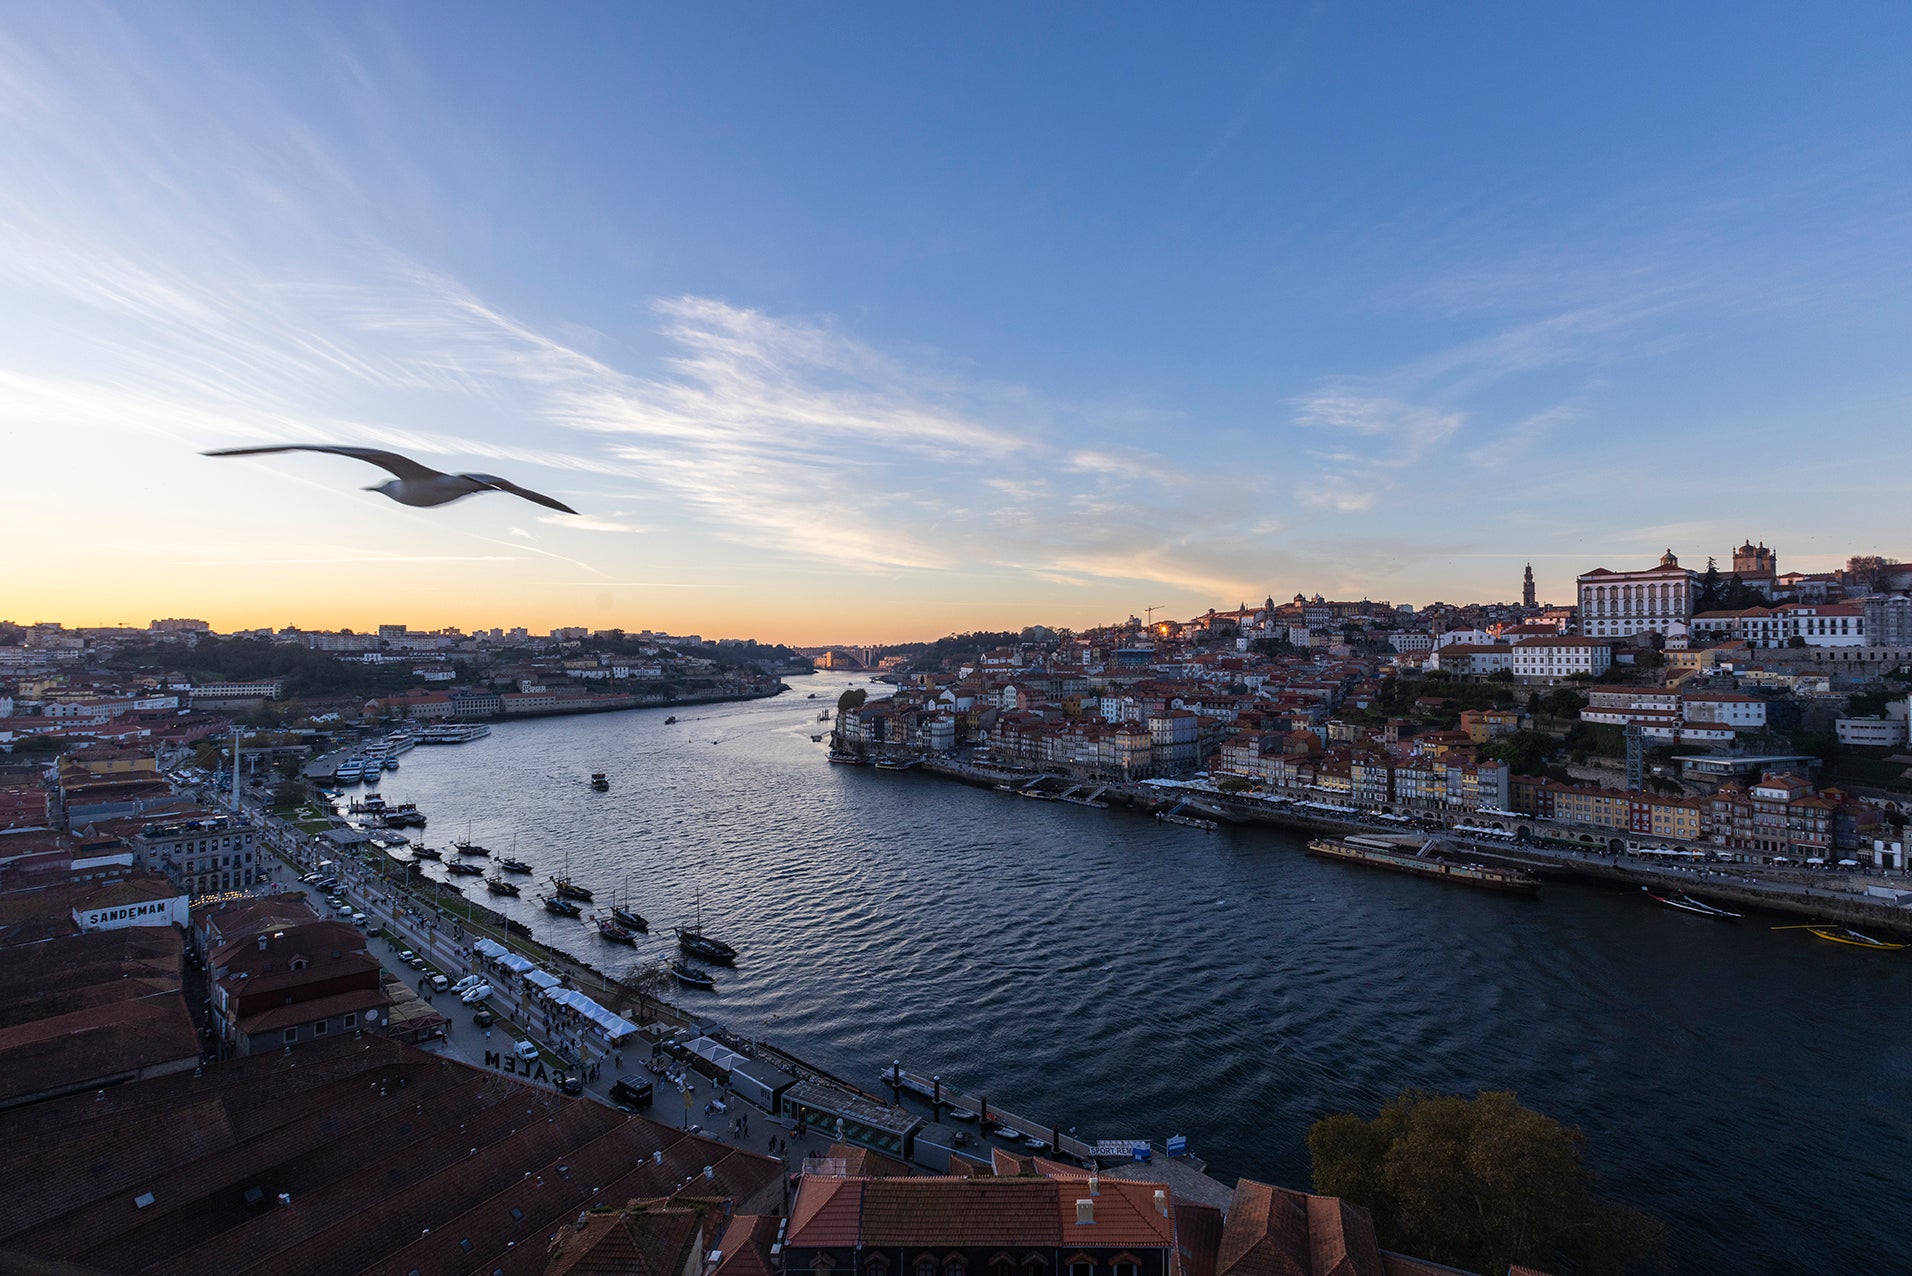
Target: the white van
(359, 919)
(440, 983)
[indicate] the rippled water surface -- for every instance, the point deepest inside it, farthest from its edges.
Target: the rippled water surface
(1137, 980)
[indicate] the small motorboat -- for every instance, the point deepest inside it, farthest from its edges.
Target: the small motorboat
(1004, 1132)
(961, 1114)
(1847, 935)
(695, 976)
(600, 782)
(1035, 1144)
(1687, 904)
(671, 721)
(614, 932)
(499, 886)
(468, 870)
(510, 865)
(560, 905)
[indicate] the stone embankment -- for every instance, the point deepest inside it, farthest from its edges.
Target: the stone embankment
(1828, 896)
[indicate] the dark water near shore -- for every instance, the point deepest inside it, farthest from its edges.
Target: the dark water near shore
(1095, 969)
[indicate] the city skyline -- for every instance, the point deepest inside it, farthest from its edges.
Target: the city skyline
(873, 327)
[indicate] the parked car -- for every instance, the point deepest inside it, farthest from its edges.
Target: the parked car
(526, 1050)
(483, 1019)
(406, 955)
(570, 1085)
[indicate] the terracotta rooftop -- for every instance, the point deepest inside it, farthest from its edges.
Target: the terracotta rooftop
(745, 1246)
(648, 1238)
(827, 1213)
(395, 1160)
(1272, 1231)
(1019, 1211)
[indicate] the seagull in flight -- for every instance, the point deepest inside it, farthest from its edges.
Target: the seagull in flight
(415, 484)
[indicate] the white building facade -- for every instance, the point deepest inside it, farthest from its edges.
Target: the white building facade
(1554, 658)
(1622, 604)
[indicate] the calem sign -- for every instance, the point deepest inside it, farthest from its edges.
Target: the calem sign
(513, 1066)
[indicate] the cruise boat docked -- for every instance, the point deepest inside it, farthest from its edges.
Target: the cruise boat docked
(453, 732)
(1392, 851)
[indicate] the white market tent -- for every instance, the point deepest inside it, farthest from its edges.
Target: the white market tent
(614, 1027)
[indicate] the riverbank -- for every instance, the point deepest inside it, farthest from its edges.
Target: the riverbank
(1792, 894)
(1230, 994)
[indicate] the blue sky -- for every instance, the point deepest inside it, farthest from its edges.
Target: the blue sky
(878, 322)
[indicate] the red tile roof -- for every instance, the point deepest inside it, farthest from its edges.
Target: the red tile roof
(962, 1212)
(1125, 1214)
(1272, 1231)
(745, 1246)
(826, 1213)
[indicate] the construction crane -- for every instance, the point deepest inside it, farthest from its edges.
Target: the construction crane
(1150, 613)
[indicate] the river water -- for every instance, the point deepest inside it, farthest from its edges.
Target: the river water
(1095, 969)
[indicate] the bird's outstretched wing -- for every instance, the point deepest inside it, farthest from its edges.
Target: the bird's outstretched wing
(401, 466)
(497, 484)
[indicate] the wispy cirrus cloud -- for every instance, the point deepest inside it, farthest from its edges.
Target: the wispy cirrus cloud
(782, 434)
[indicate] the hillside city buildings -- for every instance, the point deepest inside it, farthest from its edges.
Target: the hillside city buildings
(290, 1083)
(1369, 707)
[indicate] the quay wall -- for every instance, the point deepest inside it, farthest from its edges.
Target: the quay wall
(1796, 898)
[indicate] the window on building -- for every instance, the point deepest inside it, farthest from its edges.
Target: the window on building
(955, 1266)
(1125, 1265)
(1081, 1265)
(318, 1029)
(349, 1020)
(926, 1266)
(291, 1035)
(876, 1265)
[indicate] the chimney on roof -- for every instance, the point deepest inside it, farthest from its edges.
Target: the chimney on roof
(1095, 1185)
(1161, 1202)
(262, 943)
(1085, 1210)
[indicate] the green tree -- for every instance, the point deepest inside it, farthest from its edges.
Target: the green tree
(1479, 1183)
(852, 699)
(1526, 752)
(1564, 702)
(1709, 595)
